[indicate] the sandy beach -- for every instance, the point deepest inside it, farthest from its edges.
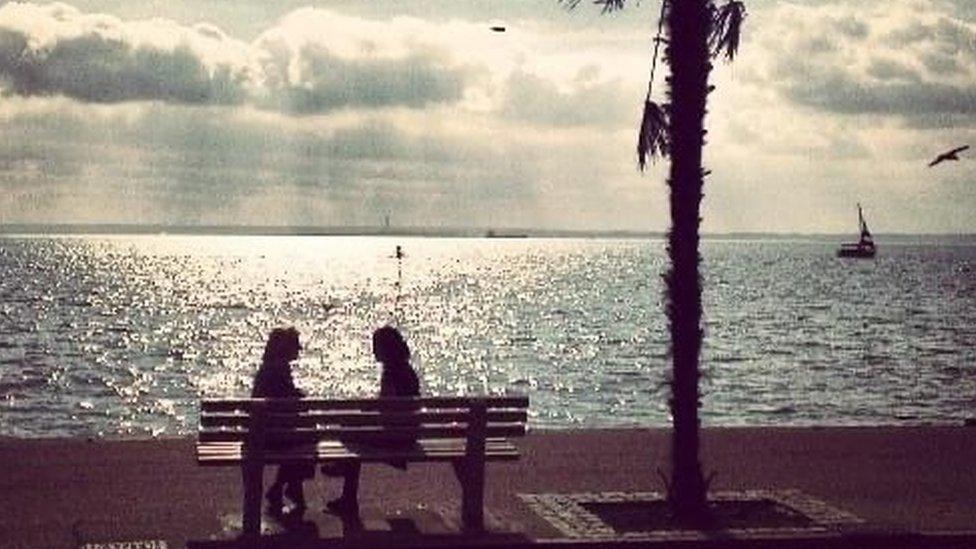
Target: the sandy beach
(73, 492)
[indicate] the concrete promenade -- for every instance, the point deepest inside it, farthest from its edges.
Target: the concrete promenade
(897, 481)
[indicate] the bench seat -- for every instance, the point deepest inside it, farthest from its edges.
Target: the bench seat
(232, 453)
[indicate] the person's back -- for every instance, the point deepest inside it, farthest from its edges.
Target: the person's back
(274, 381)
(398, 378)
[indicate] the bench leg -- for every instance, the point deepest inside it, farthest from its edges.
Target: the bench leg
(253, 474)
(472, 480)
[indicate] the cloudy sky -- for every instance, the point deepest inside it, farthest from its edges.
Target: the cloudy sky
(343, 112)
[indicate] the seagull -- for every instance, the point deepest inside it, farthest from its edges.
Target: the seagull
(951, 155)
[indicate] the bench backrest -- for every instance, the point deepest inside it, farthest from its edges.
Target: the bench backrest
(361, 420)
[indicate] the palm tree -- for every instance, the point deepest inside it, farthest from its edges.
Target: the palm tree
(696, 32)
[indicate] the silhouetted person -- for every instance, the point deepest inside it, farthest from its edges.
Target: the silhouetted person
(950, 155)
(398, 379)
(273, 380)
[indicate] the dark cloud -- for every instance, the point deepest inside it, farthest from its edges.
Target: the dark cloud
(941, 64)
(889, 69)
(98, 69)
(851, 27)
(48, 50)
(898, 60)
(329, 82)
(838, 93)
(911, 32)
(178, 164)
(310, 62)
(56, 50)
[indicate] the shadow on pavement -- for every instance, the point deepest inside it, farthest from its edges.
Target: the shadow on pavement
(392, 531)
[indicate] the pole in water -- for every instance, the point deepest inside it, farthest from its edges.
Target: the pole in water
(399, 257)
(399, 284)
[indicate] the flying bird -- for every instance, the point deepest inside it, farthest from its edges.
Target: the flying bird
(951, 155)
(497, 25)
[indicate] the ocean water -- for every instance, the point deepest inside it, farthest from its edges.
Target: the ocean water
(122, 335)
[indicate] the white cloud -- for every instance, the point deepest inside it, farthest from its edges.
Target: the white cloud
(310, 61)
(55, 49)
(337, 119)
(316, 60)
(587, 101)
(165, 163)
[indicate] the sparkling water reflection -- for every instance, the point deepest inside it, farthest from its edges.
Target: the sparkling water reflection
(122, 335)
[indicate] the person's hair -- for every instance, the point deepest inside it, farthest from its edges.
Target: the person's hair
(389, 346)
(282, 342)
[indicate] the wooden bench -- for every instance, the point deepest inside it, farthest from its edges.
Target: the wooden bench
(467, 432)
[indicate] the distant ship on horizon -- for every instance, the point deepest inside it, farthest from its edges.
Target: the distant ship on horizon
(492, 233)
(864, 247)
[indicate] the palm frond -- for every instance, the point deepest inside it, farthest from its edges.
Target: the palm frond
(608, 5)
(657, 46)
(653, 138)
(727, 29)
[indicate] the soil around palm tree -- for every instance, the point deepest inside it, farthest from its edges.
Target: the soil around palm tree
(747, 514)
(650, 516)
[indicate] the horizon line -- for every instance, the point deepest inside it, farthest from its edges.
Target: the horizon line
(371, 230)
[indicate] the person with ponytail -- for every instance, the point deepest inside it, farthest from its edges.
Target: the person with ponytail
(397, 379)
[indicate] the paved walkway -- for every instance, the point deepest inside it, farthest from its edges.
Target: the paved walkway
(893, 481)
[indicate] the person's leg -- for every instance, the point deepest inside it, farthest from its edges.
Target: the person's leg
(273, 495)
(295, 475)
(350, 484)
(349, 500)
(295, 491)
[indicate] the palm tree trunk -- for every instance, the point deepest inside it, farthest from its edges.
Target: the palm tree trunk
(689, 24)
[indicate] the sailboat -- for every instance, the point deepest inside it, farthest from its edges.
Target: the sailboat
(863, 247)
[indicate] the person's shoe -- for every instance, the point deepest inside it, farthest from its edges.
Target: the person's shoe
(275, 502)
(276, 508)
(295, 512)
(343, 506)
(296, 494)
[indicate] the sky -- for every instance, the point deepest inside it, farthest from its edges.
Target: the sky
(344, 113)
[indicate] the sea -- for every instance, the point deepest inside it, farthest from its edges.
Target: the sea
(122, 335)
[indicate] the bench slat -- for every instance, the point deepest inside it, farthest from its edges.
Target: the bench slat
(449, 443)
(313, 454)
(339, 455)
(424, 443)
(371, 404)
(434, 457)
(361, 434)
(425, 450)
(355, 418)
